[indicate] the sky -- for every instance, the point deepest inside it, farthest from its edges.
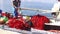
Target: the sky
(45, 1)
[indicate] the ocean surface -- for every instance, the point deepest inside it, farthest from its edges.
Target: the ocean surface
(7, 7)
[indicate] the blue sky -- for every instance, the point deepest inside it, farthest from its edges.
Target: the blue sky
(45, 1)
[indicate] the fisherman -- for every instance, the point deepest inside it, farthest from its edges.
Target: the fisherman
(16, 5)
(56, 10)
